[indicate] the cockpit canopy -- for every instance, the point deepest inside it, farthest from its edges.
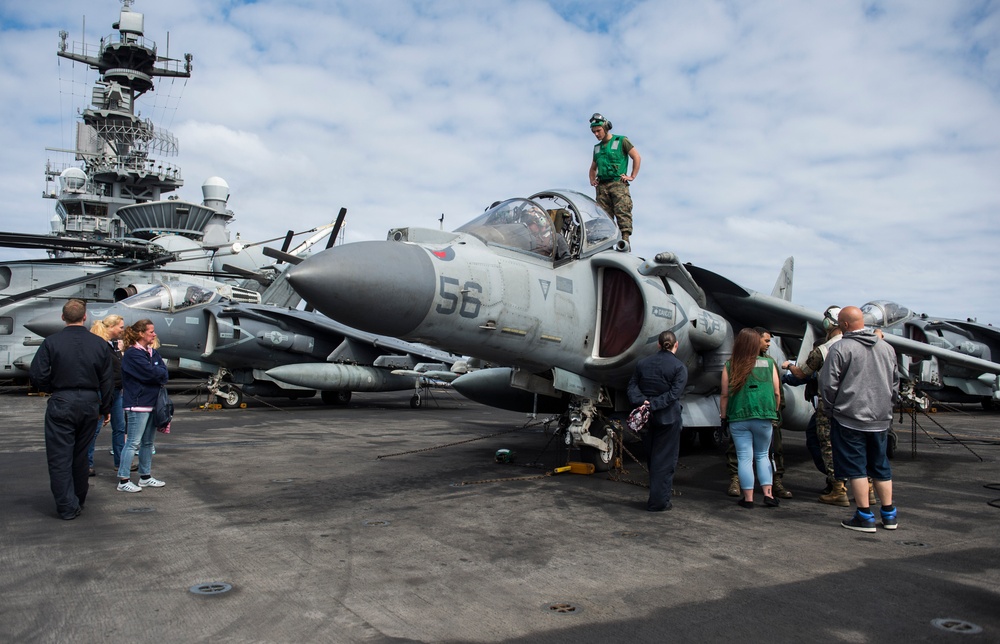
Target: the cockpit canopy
(171, 296)
(554, 225)
(883, 313)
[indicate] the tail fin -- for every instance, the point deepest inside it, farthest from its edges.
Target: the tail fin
(783, 287)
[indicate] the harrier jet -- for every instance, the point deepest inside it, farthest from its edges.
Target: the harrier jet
(545, 285)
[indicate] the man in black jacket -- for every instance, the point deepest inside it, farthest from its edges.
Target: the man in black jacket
(659, 382)
(73, 365)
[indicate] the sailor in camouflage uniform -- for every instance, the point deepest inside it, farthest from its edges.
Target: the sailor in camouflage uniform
(808, 372)
(609, 172)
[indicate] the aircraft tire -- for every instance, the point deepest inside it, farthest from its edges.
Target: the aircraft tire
(593, 456)
(688, 438)
(416, 402)
(232, 398)
(711, 438)
(338, 398)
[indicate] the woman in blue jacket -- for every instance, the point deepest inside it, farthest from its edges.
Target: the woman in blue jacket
(143, 373)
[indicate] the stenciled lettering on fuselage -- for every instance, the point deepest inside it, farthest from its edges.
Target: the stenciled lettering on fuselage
(459, 297)
(663, 312)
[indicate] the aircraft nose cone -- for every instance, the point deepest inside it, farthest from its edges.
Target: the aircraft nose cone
(46, 324)
(382, 287)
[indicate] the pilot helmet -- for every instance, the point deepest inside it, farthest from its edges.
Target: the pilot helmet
(830, 318)
(597, 120)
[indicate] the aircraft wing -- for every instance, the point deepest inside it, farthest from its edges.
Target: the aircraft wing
(322, 324)
(923, 350)
(751, 308)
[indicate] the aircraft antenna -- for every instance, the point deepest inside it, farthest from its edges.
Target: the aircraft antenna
(441, 221)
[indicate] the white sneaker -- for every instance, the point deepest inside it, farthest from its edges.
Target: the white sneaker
(151, 482)
(129, 486)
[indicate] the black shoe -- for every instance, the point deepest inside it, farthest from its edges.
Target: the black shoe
(860, 523)
(745, 504)
(660, 508)
(771, 502)
(72, 515)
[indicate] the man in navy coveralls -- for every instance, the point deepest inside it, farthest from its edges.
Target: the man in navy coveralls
(73, 365)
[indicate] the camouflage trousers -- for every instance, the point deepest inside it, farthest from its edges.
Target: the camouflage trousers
(826, 448)
(615, 199)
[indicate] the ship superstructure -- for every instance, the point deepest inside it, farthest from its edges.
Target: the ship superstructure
(120, 187)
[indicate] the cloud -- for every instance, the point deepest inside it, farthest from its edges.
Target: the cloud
(862, 138)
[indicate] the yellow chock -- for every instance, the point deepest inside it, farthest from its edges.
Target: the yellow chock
(243, 405)
(576, 467)
(560, 470)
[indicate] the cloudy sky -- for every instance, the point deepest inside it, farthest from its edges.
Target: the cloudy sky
(860, 137)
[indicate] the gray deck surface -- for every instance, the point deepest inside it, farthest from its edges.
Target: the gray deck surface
(323, 542)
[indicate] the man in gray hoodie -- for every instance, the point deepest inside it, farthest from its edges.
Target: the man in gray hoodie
(858, 384)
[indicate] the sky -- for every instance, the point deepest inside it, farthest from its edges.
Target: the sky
(860, 137)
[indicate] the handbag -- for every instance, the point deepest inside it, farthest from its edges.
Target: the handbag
(638, 418)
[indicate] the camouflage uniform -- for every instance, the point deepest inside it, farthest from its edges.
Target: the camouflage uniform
(814, 362)
(614, 197)
(611, 159)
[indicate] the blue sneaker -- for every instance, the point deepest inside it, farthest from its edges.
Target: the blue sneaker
(860, 522)
(888, 519)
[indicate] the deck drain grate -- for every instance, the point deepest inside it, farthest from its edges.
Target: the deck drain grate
(282, 480)
(914, 544)
(140, 510)
(211, 588)
(628, 534)
(375, 523)
(956, 626)
(562, 608)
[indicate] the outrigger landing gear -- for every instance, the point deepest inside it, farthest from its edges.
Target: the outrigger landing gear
(577, 422)
(417, 401)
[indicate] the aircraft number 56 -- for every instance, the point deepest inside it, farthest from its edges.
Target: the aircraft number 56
(459, 299)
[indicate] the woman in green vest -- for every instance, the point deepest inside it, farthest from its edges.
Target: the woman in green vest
(749, 401)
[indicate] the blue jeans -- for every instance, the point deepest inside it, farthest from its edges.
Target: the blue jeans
(752, 438)
(140, 438)
(117, 429)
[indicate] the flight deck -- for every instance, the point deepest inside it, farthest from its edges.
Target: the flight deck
(296, 523)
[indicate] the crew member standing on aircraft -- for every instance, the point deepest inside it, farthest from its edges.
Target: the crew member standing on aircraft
(609, 172)
(659, 382)
(858, 384)
(74, 366)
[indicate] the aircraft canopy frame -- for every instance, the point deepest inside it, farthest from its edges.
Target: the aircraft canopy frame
(554, 225)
